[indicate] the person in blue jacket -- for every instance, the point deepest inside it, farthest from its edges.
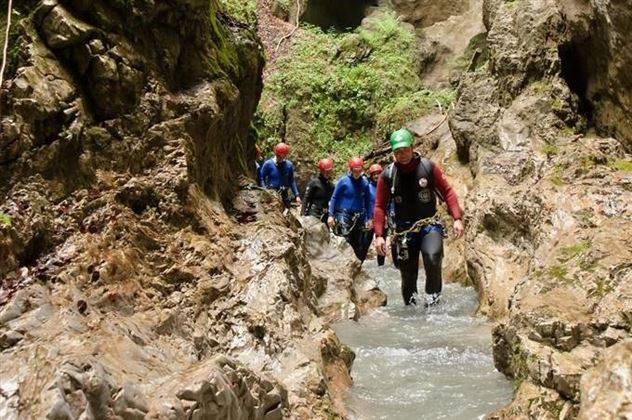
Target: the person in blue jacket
(350, 212)
(277, 173)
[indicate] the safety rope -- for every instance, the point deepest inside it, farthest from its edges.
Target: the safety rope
(6, 45)
(418, 225)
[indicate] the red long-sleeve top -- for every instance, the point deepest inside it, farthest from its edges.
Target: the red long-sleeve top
(383, 194)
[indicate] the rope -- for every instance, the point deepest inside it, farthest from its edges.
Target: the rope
(6, 44)
(418, 225)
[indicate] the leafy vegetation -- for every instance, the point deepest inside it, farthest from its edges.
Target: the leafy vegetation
(14, 49)
(558, 272)
(5, 219)
(244, 11)
(341, 92)
(621, 165)
(601, 288)
(572, 251)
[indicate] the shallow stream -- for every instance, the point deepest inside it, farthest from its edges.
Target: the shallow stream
(413, 363)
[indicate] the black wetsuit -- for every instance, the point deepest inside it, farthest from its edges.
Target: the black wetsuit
(413, 189)
(316, 198)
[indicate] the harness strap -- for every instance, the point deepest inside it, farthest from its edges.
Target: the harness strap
(418, 225)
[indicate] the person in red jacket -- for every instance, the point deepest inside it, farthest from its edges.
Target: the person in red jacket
(413, 184)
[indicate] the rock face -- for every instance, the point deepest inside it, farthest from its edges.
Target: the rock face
(422, 13)
(546, 241)
(141, 276)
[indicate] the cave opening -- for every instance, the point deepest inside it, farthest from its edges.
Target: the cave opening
(336, 14)
(576, 71)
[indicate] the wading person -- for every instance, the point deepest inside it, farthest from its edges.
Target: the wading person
(277, 173)
(318, 192)
(413, 183)
(349, 207)
(374, 173)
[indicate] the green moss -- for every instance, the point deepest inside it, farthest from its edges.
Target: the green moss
(557, 176)
(344, 91)
(570, 252)
(517, 362)
(558, 272)
(550, 149)
(244, 11)
(601, 288)
(541, 87)
(5, 219)
(621, 165)
(553, 407)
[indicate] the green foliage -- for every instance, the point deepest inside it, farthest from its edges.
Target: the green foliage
(621, 165)
(550, 149)
(558, 272)
(346, 90)
(518, 365)
(541, 86)
(572, 251)
(244, 11)
(5, 219)
(557, 175)
(601, 288)
(14, 47)
(408, 107)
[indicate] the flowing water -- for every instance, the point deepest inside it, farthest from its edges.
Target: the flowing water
(413, 363)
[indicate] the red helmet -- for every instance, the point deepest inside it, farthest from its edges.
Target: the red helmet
(281, 149)
(325, 165)
(375, 168)
(356, 162)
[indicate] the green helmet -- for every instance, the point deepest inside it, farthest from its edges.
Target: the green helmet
(401, 138)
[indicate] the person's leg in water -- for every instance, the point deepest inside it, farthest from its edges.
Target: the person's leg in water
(366, 240)
(357, 237)
(409, 269)
(432, 253)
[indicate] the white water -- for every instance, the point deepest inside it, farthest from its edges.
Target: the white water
(413, 363)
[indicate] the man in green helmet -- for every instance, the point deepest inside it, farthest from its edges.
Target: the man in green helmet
(413, 184)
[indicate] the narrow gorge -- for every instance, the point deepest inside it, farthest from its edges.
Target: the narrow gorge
(144, 274)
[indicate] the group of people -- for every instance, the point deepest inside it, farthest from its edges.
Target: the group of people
(400, 201)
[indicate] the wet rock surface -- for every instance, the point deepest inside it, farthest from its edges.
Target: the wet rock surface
(142, 275)
(547, 216)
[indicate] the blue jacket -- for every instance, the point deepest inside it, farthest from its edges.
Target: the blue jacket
(372, 190)
(351, 195)
(279, 176)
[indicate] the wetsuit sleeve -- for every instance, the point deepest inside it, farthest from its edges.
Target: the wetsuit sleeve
(382, 198)
(368, 210)
(307, 197)
(334, 197)
(293, 181)
(442, 185)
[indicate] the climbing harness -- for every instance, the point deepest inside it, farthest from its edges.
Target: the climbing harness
(401, 238)
(418, 225)
(338, 229)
